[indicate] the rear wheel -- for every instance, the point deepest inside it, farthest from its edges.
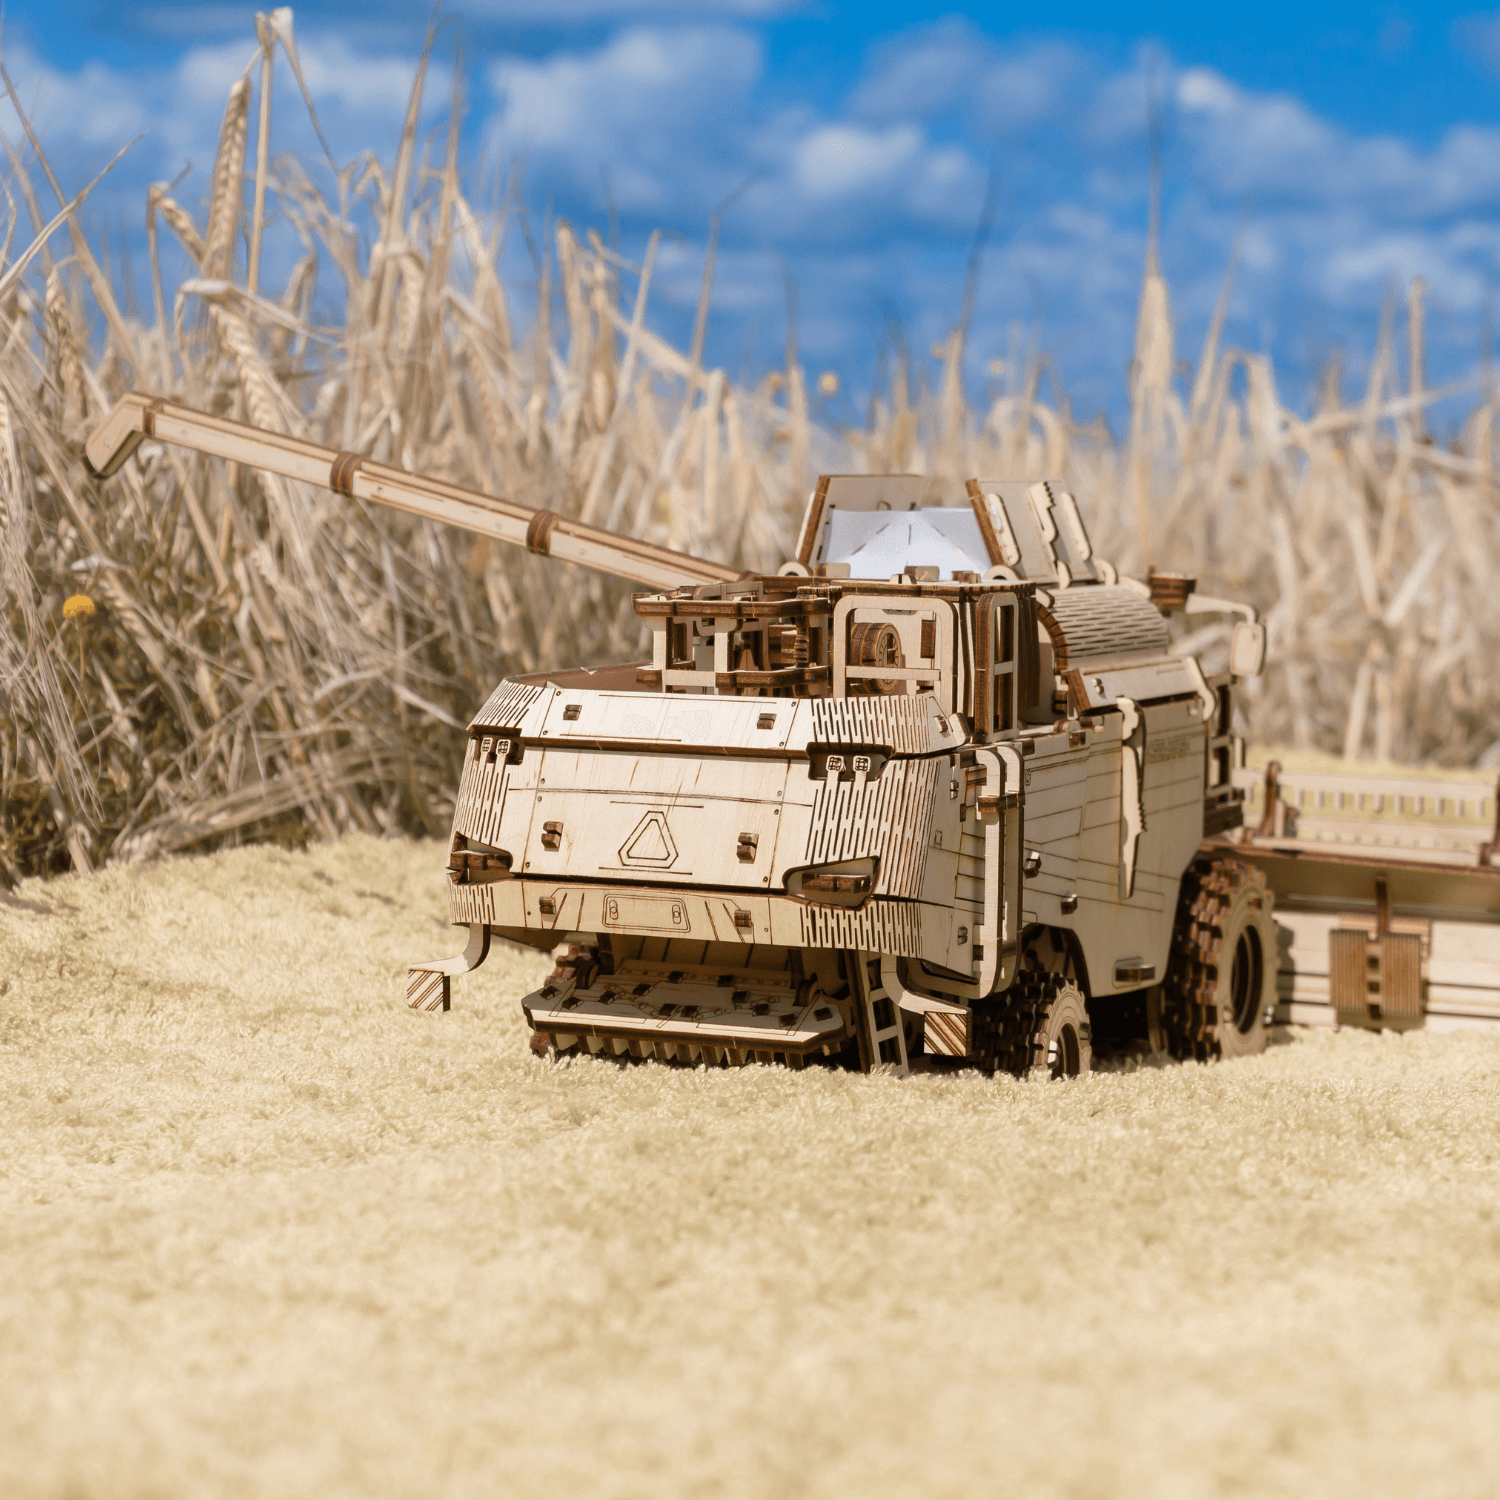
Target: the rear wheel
(1221, 982)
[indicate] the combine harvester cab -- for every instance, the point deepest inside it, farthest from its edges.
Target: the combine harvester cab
(940, 785)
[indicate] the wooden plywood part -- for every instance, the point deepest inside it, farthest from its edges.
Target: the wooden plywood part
(746, 1012)
(877, 1015)
(1375, 981)
(946, 1033)
(428, 984)
(508, 705)
(1104, 624)
(889, 819)
(893, 927)
(1132, 792)
(792, 726)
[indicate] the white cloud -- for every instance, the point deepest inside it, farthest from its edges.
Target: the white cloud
(1208, 92)
(1257, 141)
(953, 68)
(838, 161)
(1078, 223)
(1113, 114)
(925, 74)
(171, 19)
(365, 85)
(1044, 83)
(96, 106)
(671, 115)
(1455, 262)
(1274, 145)
(79, 116)
(563, 12)
(654, 107)
(869, 198)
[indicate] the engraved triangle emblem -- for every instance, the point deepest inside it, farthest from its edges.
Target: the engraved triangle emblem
(650, 843)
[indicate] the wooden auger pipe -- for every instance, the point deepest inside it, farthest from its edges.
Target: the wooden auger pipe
(138, 416)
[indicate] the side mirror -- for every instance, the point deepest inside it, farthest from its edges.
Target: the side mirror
(1247, 650)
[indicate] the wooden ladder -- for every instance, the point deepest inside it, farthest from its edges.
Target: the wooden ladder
(877, 1016)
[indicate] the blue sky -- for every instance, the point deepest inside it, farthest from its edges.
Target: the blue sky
(1346, 147)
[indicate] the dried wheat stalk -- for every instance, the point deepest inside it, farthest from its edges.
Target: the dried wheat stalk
(266, 660)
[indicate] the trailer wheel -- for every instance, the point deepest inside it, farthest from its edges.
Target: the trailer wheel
(1222, 976)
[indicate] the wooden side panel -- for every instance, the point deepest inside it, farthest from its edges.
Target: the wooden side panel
(1455, 966)
(1172, 789)
(880, 927)
(1302, 967)
(481, 791)
(1431, 820)
(951, 878)
(906, 726)
(1139, 928)
(506, 706)
(1099, 840)
(1055, 786)
(1463, 971)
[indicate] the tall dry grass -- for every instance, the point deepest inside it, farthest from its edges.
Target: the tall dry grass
(266, 660)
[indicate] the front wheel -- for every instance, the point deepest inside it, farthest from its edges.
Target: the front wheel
(1038, 1029)
(1063, 1039)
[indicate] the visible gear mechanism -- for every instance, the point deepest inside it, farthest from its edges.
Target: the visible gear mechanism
(1221, 979)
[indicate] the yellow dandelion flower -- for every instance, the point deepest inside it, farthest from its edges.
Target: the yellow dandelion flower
(76, 605)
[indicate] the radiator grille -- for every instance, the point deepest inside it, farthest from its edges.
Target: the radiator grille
(902, 724)
(890, 818)
(880, 927)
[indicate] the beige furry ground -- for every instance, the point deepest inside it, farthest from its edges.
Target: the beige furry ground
(264, 1233)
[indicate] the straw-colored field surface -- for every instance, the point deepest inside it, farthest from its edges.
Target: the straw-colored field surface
(262, 1232)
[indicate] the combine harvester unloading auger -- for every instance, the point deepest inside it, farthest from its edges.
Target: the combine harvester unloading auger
(940, 785)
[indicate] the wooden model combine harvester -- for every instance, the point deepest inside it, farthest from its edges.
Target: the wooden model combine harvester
(939, 785)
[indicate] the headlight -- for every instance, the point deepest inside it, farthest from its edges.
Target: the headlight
(473, 863)
(847, 883)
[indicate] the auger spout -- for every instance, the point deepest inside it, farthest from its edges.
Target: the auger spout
(137, 416)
